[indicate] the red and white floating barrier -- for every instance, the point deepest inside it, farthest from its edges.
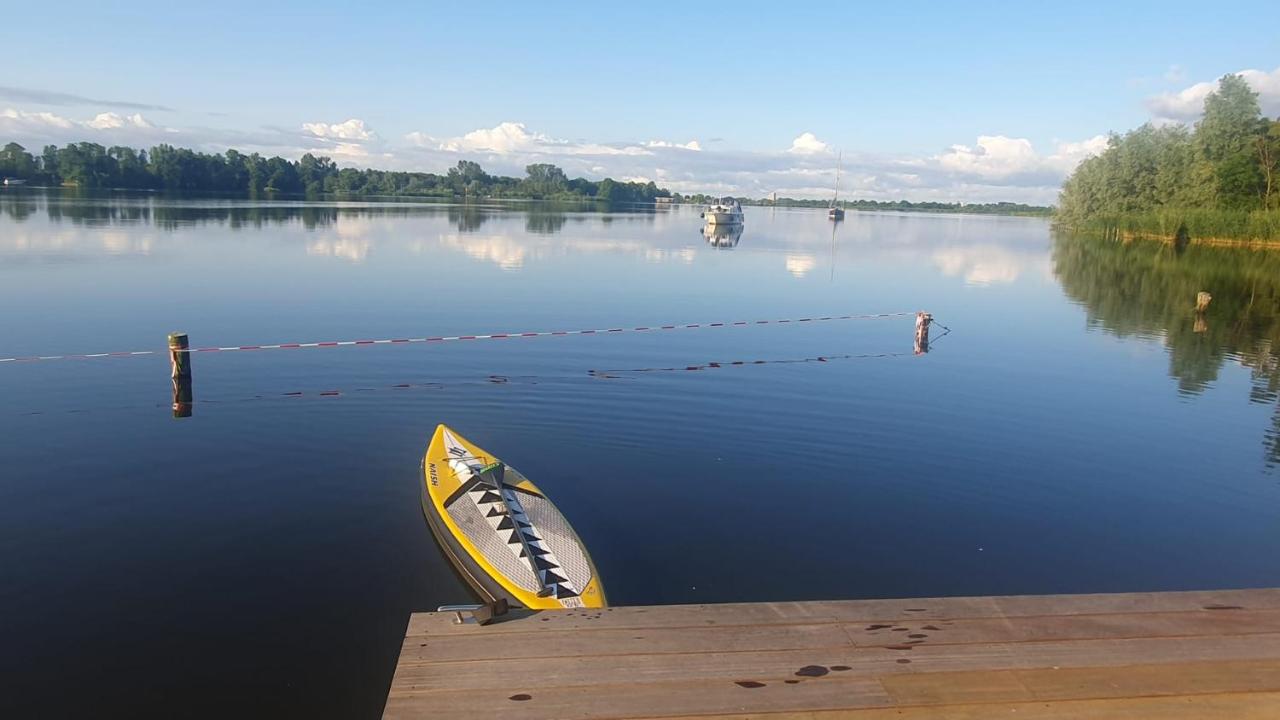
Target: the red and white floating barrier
(454, 338)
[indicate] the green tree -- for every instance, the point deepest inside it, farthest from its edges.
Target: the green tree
(1227, 137)
(256, 173)
(471, 171)
(1267, 145)
(15, 161)
(131, 170)
(87, 165)
(49, 163)
(606, 190)
(544, 179)
(313, 171)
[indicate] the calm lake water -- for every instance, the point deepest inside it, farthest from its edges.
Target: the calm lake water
(1079, 430)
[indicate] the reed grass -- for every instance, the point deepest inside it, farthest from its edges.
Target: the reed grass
(1201, 225)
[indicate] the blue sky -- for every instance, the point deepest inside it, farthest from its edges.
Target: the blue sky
(605, 90)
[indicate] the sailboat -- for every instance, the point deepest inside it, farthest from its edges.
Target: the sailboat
(835, 212)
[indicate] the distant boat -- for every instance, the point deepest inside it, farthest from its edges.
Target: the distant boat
(726, 211)
(14, 181)
(835, 212)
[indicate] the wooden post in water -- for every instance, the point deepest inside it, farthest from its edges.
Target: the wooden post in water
(180, 372)
(1202, 304)
(923, 320)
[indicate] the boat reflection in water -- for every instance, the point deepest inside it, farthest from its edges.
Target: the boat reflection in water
(722, 236)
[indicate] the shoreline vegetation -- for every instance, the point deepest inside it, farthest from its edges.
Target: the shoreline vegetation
(171, 169)
(165, 168)
(996, 208)
(1217, 183)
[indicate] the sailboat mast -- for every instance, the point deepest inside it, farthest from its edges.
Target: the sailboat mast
(836, 196)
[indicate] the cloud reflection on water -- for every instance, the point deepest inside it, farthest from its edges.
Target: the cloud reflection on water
(513, 236)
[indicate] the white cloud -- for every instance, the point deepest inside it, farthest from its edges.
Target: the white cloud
(1186, 105)
(353, 129)
(35, 128)
(994, 168)
(996, 157)
(11, 120)
(421, 139)
(112, 121)
(507, 137)
(691, 145)
(1182, 106)
(807, 144)
(1070, 154)
(513, 138)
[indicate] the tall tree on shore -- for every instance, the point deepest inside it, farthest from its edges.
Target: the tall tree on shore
(1227, 162)
(16, 161)
(1227, 138)
(1268, 147)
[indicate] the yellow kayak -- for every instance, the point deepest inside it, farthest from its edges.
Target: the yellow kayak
(501, 533)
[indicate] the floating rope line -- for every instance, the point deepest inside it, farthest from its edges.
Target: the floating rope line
(454, 338)
(334, 393)
(331, 393)
(610, 374)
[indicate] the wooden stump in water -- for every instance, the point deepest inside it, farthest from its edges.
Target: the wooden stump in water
(180, 371)
(182, 397)
(1202, 301)
(179, 357)
(923, 319)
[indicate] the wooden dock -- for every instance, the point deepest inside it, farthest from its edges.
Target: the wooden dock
(1173, 656)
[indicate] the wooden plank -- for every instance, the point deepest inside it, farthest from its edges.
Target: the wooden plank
(600, 643)
(779, 665)
(633, 700)
(492, 642)
(854, 611)
(631, 618)
(1068, 627)
(853, 699)
(1240, 706)
(1198, 678)
(1250, 599)
(638, 669)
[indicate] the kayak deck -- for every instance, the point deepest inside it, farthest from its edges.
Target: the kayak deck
(504, 536)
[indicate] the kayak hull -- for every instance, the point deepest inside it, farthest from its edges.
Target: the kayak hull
(545, 566)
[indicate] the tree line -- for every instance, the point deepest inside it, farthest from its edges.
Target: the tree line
(996, 208)
(1220, 178)
(164, 167)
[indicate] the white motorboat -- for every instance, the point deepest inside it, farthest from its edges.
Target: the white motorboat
(725, 211)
